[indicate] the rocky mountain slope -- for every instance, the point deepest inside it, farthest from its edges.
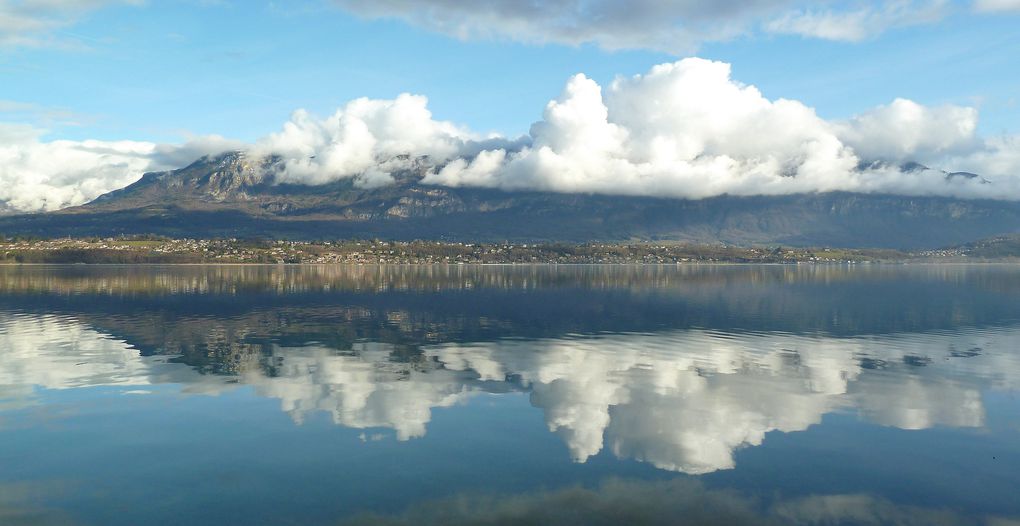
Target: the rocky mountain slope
(236, 195)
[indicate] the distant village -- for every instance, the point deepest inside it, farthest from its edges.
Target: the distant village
(165, 250)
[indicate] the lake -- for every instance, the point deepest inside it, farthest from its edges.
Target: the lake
(727, 394)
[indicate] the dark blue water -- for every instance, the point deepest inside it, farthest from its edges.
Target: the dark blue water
(510, 395)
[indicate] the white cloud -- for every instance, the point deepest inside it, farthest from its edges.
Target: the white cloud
(33, 22)
(997, 5)
(672, 26)
(38, 175)
(170, 156)
(858, 24)
(998, 156)
(688, 130)
(684, 130)
(905, 130)
(18, 111)
(362, 140)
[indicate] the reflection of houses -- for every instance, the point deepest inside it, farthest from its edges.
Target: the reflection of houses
(680, 400)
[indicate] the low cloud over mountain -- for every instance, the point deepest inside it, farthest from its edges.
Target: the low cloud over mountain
(38, 175)
(684, 129)
(688, 130)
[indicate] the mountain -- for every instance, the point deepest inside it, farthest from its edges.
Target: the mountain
(237, 195)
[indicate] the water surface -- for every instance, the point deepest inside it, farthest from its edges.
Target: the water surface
(551, 394)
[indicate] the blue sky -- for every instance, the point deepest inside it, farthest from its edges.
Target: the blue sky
(681, 98)
(162, 70)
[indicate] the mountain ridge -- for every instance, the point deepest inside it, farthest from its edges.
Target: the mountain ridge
(239, 195)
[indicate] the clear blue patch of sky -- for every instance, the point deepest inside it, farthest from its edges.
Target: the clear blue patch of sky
(163, 70)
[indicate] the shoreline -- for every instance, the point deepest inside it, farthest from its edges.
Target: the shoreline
(167, 251)
(926, 262)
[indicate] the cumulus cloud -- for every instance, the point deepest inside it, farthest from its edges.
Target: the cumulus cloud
(38, 175)
(42, 176)
(687, 129)
(33, 22)
(998, 156)
(366, 139)
(169, 156)
(673, 26)
(905, 130)
(684, 129)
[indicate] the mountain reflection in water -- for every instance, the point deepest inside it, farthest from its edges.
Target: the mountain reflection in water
(673, 367)
(680, 400)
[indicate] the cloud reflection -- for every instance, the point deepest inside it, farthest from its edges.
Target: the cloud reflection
(54, 353)
(677, 501)
(681, 400)
(20, 503)
(360, 389)
(685, 400)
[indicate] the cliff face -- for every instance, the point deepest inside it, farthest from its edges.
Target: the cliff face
(237, 195)
(230, 176)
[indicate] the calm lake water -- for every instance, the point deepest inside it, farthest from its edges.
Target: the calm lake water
(510, 395)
